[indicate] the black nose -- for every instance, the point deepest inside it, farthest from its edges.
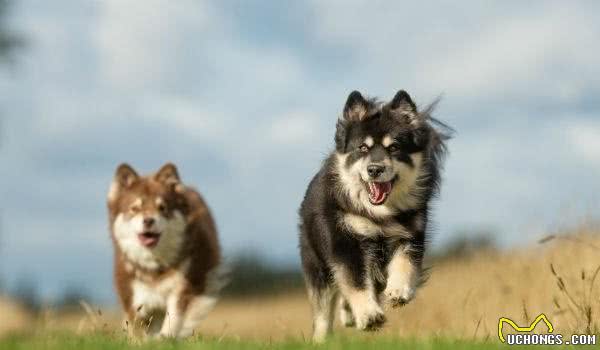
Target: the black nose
(148, 222)
(375, 170)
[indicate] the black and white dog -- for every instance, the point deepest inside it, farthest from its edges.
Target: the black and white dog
(364, 216)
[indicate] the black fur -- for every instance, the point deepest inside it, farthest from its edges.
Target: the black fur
(324, 242)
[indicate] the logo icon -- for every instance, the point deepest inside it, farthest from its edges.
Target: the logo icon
(531, 327)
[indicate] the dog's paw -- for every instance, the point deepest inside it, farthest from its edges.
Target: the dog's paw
(346, 317)
(400, 295)
(163, 336)
(369, 318)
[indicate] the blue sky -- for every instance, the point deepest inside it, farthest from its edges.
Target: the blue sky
(244, 96)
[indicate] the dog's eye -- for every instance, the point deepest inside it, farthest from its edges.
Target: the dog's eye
(393, 147)
(363, 148)
(162, 208)
(135, 208)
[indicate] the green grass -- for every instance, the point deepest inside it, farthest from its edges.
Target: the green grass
(100, 342)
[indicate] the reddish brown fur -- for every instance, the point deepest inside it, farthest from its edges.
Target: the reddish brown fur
(200, 244)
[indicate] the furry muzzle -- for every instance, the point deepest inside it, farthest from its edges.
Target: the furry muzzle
(149, 239)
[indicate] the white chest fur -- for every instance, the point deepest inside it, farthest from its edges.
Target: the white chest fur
(154, 296)
(366, 227)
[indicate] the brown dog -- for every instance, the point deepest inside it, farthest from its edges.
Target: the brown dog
(167, 256)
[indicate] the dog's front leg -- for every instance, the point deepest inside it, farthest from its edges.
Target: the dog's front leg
(403, 277)
(173, 320)
(358, 290)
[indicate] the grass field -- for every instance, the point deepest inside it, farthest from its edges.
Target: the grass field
(92, 342)
(463, 301)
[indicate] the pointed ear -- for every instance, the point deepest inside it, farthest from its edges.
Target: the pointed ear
(125, 176)
(403, 102)
(168, 174)
(356, 108)
(341, 135)
(404, 110)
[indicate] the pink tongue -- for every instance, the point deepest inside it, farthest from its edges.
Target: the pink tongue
(379, 191)
(148, 240)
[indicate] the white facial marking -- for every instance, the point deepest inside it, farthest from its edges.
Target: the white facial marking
(136, 203)
(355, 188)
(406, 192)
(126, 230)
(369, 141)
(387, 141)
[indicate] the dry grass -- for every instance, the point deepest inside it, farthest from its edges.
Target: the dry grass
(464, 298)
(14, 317)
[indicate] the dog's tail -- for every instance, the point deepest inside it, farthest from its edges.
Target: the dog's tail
(218, 278)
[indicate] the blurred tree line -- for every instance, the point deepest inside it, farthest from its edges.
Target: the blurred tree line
(9, 40)
(464, 244)
(251, 275)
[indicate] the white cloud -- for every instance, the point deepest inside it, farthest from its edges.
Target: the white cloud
(519, 178)
(480, 51)
(161, 46)
(585, 139)
(140, 42)
(293, 129)
(512, 55)
(188, 115)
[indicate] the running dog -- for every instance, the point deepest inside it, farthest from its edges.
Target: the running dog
(167, 259)
(364, 216)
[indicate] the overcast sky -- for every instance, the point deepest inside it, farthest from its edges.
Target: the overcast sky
(243, 96)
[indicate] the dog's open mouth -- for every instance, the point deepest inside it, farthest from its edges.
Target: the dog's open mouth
(379, 191)
(149, 239)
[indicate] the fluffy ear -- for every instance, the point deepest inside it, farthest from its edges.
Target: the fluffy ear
(403, 102)
(404, 109)
(168, 174)
(340, 136)
(356, 108)
(125, 176)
